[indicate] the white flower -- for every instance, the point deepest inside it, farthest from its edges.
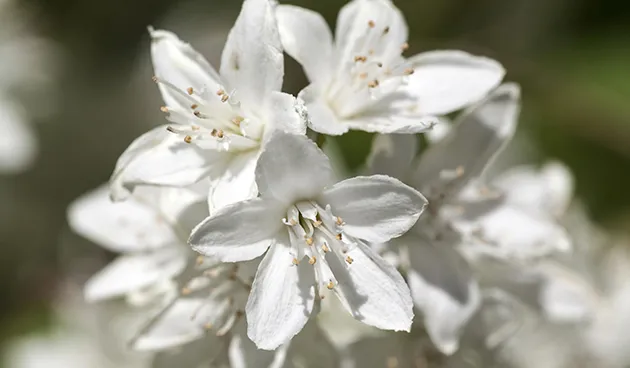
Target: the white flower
(463, 216)
(362, 81)
(221, 120)
(150, 230)
(300, 215)
(18, 143)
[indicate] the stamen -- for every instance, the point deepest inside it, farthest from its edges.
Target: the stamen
(238, 120)
(339, 221)
(409, 71)
(371, 24)
(194, 106)
(373, 84)
(187, 139)
(363, 75)
(195, 128)
(308, 240)
(225, 97)
(164, 109)
(386, 30)
(295, 261)
(325, 248)
(312, 260)
(360, 58)
(330, 285)
(220, 92)
(293, 222)
(338, 236)
(208, 326)
(404, 46)
(190, 90)
(349, 260)
(379, 64)
(317, 223)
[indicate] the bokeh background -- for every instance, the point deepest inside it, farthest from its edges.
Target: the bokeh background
(95, 94)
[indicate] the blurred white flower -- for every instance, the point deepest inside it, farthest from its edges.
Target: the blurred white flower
(300, 215)
(362, 81)
(221, 120)
(150, 230)
(463, 216)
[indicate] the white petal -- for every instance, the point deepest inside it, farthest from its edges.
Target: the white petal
(239, 232)
(180, 323)
(238, 182)
(285, 113)
(383, 119)
(200, 353)
(375, 208)
(306, 38)
(291, 167)
(507, 231)
(372, 290)
(442, 287)
(243, 353)
(549, 189)
(176, 62)
(133, 272)
(159, 157)
(479, 134)
(18, 144)
(352, 24)
(445, 81)
(392, 154)
(322, 118)
(252, 62)
(282, 298)
(146, 221)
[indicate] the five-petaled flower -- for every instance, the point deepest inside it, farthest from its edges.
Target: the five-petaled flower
(314, 235)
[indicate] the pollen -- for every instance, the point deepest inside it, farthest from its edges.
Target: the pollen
(339, 221)
(194, 106)
(325, 248)
(220, 133)
(330, 285)
(360, 58)
(220, 92)
(312, 260)
(386, 30)
(308, 240)
(373, 84)
(338, 236)
(371, 24)
(317, 223)
(213, 132)
(225, 97)
(187, 139)
(295, 261)
(164, 109)
(404, 46)
(349, 260)
(197, 114)
(190, 90)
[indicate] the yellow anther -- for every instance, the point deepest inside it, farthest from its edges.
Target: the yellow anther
(338, 236)
(308, 240)
(404, 46)
(195, 128)
(190, 90)
(213, 132)
(194, 106)
(330, 285)
(325, 248)
(317, 223)
(197, 114)
(360, 58)
(349, 260)
(220, 92)
(296, 261)
(164, 109)
(371, 24)
(312, 260)
(224, 97)
(187, 139)
(238, 120)
(373, 84)
(339, 221)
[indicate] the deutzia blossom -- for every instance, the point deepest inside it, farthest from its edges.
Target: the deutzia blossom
(220, 120)
(150, 230)
(462, 215)
(298, 215)
(362, 81)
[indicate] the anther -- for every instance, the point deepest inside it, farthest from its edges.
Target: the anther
(363, 75)
(220, 133)
(338, 236)
(349, 260)
(312, 260)
(220, 92)
(164, 109)
(195, 128)
(360, 58)
(295, 261)
(325, 248)
(197, 114)
(293, 222)
(371, 24)
(308, 240)
(171, 129)
(339, 221)
(238, 120)
(386, 30)
(194, 106)
(213, 132)
(187, 139)
(379, 64)
(208, 326)
(225, 97)
(330, 285)
(155, 78)
(409, 71)
(404, 46)
(373, 84)
(190, 90)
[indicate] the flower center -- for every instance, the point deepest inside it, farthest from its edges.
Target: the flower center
(316, 233)
(373, 69)
(213, 119)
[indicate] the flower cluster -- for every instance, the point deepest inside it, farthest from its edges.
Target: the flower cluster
(235, 232)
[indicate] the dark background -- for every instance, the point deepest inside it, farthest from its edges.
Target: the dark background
(572, 58)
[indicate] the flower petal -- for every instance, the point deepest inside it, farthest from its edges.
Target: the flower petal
(291, 167)
(445, 81)
(243, 353)
(239, 232)
(392, 154)
(159, 157)
(181, 323)
(375, 208)
(322, 118)
(18, 144)
(252, 62)
(355, 19)
(479, 134)
(306, 38)
(238, 182)
(176, 62)
(372, 290)
(282, 297)
(133, 272)
(444, 290)
(200, 353)
(285, 113)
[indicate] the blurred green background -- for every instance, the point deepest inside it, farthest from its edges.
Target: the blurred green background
(572, 58)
